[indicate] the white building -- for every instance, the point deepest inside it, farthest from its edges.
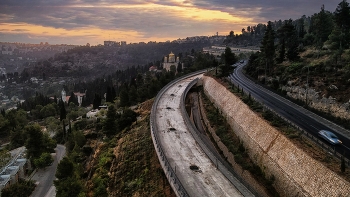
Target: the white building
(170, 61)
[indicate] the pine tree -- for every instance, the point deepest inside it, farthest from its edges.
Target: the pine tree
(63, 112)
(97, 101)
(342, 20)
(110, 123)
(109, 97)
(268, 46)
(73, 99)
(321, 26)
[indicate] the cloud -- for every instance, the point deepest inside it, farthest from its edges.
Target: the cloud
(20, 30)
(146, 19)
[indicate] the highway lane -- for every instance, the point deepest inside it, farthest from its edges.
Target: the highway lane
(299, 116)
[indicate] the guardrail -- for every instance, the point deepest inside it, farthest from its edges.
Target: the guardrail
(223, 167)
(306, 134)
(168, 170)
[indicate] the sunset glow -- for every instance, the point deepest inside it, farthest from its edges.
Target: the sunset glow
(80, 22)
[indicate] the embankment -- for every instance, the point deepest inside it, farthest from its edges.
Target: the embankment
(296, 174)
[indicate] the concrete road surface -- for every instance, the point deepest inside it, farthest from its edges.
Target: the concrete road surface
(44, 177)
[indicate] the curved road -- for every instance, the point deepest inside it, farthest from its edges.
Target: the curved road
(45, 177)
(197, 173)
(299, 116)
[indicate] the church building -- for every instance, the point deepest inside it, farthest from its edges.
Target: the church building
(170, 61)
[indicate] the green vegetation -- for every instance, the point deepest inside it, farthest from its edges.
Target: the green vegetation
(20, 189)
(68, 183)
(44, 160)
(294, 135)
(236, 146)
(310, 52)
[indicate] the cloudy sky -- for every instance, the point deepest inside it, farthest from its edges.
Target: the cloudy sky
(93, 21)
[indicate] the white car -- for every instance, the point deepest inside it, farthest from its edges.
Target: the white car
(329, 137)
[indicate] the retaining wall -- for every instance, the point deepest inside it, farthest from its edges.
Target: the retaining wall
(244, 174)
(296, 174)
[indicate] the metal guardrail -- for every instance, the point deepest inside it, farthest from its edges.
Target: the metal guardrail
(168, 170)
(223, 167)
(306, 134)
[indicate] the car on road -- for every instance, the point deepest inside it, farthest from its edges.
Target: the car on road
(329, 137)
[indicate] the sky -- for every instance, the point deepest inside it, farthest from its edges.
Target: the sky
(80, 22)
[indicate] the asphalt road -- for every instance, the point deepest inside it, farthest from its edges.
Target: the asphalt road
(299, 116)
(45, 177)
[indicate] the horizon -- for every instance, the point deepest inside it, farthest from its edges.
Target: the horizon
(79, 22)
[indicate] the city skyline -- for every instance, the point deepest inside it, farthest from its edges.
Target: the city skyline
(84, 21)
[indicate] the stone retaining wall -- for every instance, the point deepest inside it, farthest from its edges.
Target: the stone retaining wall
(296, 174)
(230, 158)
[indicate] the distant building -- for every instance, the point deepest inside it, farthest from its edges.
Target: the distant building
(152, 69)
(64, 97)
(111, 43)
(79, 96)
(170, 61)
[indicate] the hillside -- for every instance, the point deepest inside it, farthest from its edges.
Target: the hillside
(317, 81)
(128, 164)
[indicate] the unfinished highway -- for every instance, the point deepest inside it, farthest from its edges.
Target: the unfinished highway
(189, 166)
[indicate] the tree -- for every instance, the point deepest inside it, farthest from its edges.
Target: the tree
(65, 169)
(3, 113)
(37, 142)
(282, 50)
(342, 20)
(20, 189)
(132, 95)
(124, 98)
(63, 112)
(229, 59)
(231, 34)
(110, 124)
(97, 101)
(268, 46)
(73, 99)
(342, 16)
(70, 187)
(109, 97)
(321, 26)
(17, 118)
(179, 67)
(4, 123)
(288, 41)
(34, 142)
(336, 43)
(126, 119)
(48, 110)
(67, 183)
(44, 160)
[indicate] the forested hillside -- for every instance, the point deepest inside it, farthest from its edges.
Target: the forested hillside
(311, 54)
